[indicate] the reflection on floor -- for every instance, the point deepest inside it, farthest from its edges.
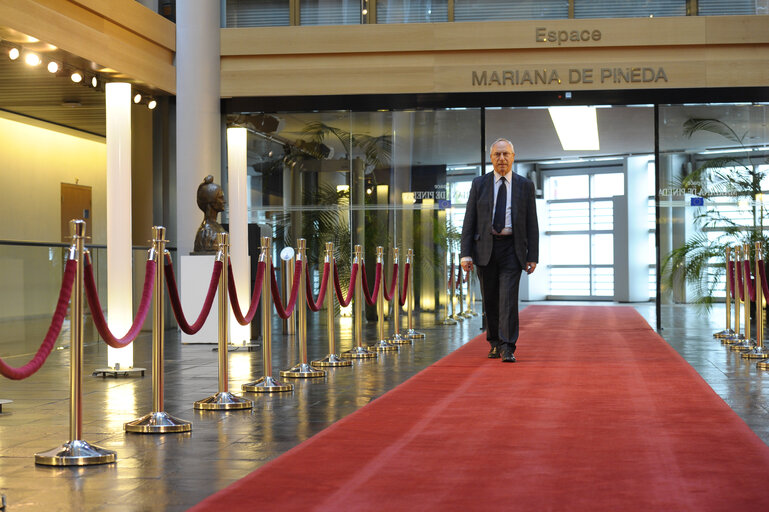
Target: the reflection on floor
(175, 471)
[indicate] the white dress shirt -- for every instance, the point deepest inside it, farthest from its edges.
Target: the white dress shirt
(508, 210)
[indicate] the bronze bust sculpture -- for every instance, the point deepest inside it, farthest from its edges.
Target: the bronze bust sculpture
(211, 201)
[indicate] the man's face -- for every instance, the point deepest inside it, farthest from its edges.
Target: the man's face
(502, 157)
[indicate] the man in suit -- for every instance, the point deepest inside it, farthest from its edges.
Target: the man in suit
(500, 235)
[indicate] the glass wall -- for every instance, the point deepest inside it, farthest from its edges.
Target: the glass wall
(381, 178)
(713, 168)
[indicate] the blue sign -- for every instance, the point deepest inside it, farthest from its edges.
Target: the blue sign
(444, 203)
(698, 201)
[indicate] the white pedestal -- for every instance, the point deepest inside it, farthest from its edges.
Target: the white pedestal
(193, 286)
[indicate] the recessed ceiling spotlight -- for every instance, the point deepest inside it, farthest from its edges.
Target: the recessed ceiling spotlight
(152, 104)
(76, 77)
(94, 81)
(14, 53)
(53, 67)
(137, 98)
(32, 59)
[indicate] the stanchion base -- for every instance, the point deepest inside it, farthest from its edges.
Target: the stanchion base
(726, 333)
(332, 360)
(359, 353)
(223, 401)
(731, 340)
(384, 346)
(117, 372)
(458, 318)
(267, 385)
(466, 314)
(448, 321)
(399, 339)
(3, 401)
(303, 371)
(414, 335)
(756, 353)
(157, 423)
(75, 453)
(763, 365)
(743, 346)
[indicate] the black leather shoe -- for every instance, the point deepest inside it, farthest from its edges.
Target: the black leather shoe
(494, 353)
(508, 357)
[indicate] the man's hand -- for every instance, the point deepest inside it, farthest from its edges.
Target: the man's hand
(467, 265)
(530, 266)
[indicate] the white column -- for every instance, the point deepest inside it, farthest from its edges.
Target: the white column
(119, 264)
(198, 116)
(237, 191)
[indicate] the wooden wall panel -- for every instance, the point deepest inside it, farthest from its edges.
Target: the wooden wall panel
(422, 58)
(135, 42)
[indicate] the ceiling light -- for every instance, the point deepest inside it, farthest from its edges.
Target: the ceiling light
(76, 77)
(364, 12)
(13, 53)
(32, 59)
(152, 104)
(137, 98)
(53, 67)
(94, 81)
(577, 127)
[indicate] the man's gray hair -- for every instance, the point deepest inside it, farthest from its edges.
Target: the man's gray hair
(502, 140)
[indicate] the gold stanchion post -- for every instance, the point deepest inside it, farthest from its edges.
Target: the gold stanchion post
(747, 343)
(158, 421)
(397, 337)
(759, 351)
(382, 345)
(727, 332)
(358, 351)
(454, 313)
(223, 400)
(332, 359)
(267, 383)
(411, 333)
(76, 452)
(448, 290)
(303, 370)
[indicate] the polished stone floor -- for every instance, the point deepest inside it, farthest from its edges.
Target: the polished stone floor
(176, 471)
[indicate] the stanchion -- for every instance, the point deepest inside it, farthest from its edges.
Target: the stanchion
(267, 383)
(358, 351)
(448, 290)
(471, 293)
(759, 351)
(382, 345)
(332, 359)
(411, 333)
(747, 343)
(287, 264)
(397, 337)
(454, 313)
(76, 452)
(223, 400)
(737, 337)
(158, 421)
(727, 332)
(303, 370)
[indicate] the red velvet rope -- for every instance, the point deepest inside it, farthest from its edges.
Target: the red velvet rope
(406, 272)
(249, 316)
(176, 305)
(22, 372)
(371, 297)
(344, 302)
(740, 287)
(388, 295)
(285, 312)
(98, 315)
(316, 304)
(762, 271)
(730, 277)
(751, 283)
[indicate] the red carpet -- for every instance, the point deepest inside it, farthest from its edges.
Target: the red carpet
(598, 414)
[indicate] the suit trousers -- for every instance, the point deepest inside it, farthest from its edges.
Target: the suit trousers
(500, 280)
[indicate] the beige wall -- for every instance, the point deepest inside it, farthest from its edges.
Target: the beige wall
(695, 51)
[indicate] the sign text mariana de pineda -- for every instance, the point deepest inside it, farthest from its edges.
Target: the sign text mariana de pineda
(556, 77)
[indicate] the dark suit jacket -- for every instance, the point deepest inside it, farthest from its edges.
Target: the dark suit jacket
(476, 239)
